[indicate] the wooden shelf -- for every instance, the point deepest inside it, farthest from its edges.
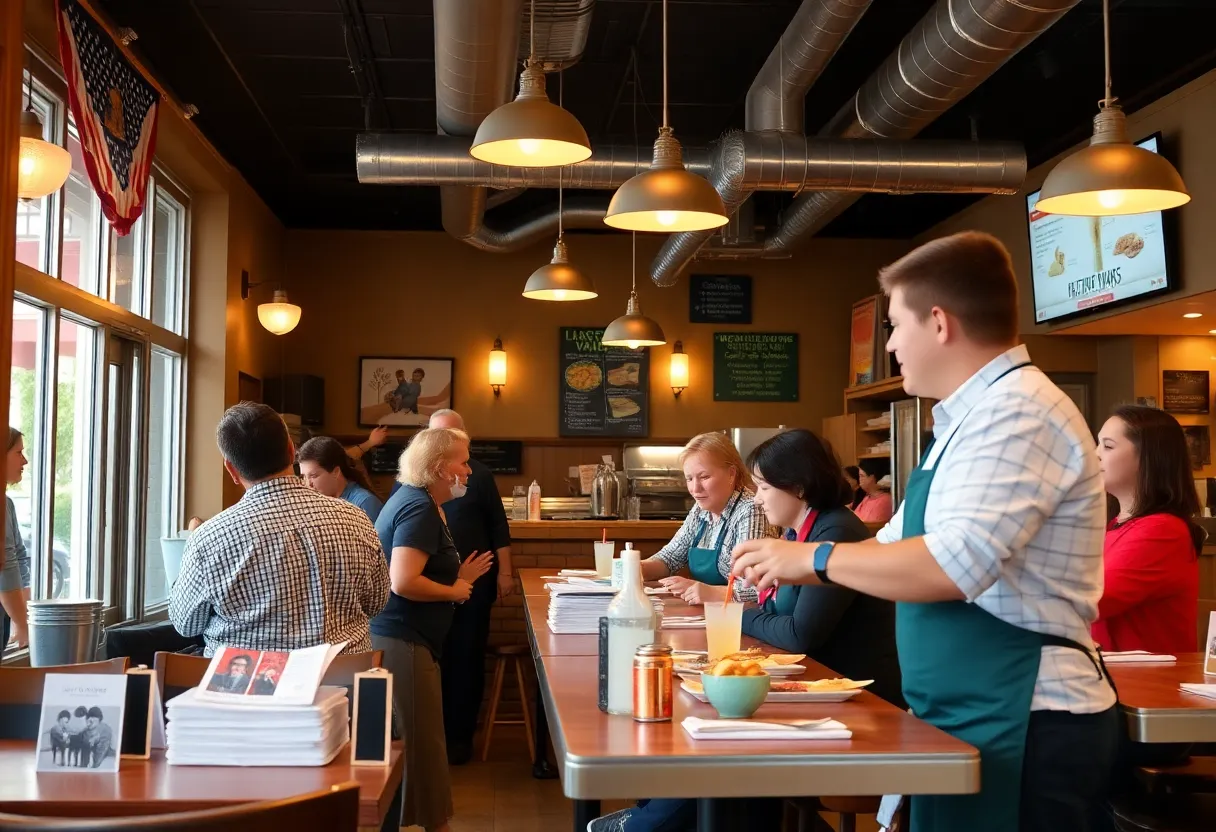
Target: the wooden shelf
(885, 455)
(872, 429)
(887, 390)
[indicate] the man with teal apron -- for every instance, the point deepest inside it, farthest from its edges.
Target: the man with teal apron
(994, 556)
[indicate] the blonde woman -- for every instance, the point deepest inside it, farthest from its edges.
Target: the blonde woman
(428, 580)
(724, 515)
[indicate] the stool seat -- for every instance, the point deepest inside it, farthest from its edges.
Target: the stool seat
(505, 654)
(1175, 813)
(1195, 774)
(509, 650)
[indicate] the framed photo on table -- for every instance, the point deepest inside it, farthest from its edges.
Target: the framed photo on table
(405, 391)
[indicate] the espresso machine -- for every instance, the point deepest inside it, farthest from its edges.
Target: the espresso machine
(653, 474)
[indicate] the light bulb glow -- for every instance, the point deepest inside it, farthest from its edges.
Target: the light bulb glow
(559, 294)
(529, 147)
(679, 369)
(28, 165)
(498, 368)
(1110, 199)
(633, 345)
(667, 218)
(42, 168)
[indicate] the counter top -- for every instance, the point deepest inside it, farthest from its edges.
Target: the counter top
(592, 529)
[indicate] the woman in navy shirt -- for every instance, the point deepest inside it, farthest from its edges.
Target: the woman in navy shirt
(326, 468)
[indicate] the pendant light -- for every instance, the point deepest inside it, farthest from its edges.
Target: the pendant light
(1112, 176)
(42, 167)
(531, 132)
(279, 317)
(558, 280)
(633, 329)
(666, 197)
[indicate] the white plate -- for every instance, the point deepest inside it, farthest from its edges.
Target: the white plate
(780, 670)
(790, 696)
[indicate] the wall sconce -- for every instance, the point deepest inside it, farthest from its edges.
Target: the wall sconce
(498, 367)
(278, 317)
(679, 369)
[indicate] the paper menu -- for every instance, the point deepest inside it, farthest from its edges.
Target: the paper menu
(80, 729)
(261, 678)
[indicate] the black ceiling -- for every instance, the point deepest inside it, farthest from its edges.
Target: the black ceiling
(276, 95)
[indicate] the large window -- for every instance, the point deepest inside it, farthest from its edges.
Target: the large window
(97, 390)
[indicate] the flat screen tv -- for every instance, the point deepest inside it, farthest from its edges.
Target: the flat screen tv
(1082, 264)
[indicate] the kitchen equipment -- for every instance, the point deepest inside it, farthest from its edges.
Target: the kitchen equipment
(656, 478)
(911, 432)
(605, 494)
(745, 440)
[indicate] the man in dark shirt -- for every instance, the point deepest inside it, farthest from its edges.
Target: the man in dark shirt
(479, 524)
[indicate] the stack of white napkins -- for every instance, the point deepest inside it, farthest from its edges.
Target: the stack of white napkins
(576, 608)
(1137, 656)
(683, 622)
(754, 729)
(1199, 689)
(201, 733)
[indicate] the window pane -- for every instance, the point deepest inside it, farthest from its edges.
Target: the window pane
(82, 223)
(33, 248)
(168, 261)
(26, 395)
(126, 269)
(75, 458)
(164, 473)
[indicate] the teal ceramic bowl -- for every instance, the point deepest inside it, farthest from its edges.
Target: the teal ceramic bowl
(735, 697)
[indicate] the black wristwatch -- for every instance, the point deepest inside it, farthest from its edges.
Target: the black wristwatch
(822, 552)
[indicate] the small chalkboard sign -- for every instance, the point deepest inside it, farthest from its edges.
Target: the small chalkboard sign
(755, 366)
(501, 456)
(371, 725)
(140, 711)
(720, 299)
(1185, 391)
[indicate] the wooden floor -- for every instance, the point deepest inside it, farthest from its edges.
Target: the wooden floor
(500, 795)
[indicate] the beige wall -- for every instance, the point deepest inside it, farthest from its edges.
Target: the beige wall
(369, 293)
(1177, 353)
(1187, 120)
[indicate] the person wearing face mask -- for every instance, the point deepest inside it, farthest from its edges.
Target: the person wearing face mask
(1150, 595)
(994, 557)
(723, 515)
(327, 469)
(428, 581)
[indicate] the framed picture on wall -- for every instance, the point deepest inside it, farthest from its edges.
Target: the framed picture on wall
(403, 392)
(1198, 444)
(864, 334)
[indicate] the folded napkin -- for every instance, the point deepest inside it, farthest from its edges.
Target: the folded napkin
(684, 623)
(1199, 689)
(1127, 656)
(749, 729)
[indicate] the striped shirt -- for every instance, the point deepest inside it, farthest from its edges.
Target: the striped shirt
(1016, 518)
(284, 568)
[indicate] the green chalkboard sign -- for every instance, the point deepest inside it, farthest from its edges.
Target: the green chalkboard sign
(602, 391)
(755, 366)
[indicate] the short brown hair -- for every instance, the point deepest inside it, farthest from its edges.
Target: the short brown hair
(968, 275)
(254, 439)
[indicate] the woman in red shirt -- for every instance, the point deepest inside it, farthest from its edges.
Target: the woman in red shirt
(1151, 595)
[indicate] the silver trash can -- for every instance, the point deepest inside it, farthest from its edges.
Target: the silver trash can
(64, 632)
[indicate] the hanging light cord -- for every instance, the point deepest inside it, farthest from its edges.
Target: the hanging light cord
(1109, 100)
(561, 86)
(532, 32)
(665, 121)
(633, 261)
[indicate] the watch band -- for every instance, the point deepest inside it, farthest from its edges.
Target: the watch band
(822, 552)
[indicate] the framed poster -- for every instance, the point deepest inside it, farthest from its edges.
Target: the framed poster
(403, 392)
(1198, 445)
(1185, 391)
(602, 391)
(863, 341)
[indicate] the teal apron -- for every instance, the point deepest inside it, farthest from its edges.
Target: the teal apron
(972, 675)
(703, 563)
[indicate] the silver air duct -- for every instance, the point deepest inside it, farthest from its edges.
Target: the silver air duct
(776, 101)
(955, 47)
(561, 33)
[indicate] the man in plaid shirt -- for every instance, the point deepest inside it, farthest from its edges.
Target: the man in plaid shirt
(285, 567)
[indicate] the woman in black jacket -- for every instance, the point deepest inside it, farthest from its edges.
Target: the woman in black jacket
(801, 487)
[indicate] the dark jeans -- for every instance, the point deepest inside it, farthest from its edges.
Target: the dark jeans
(676, 814)
(1067, 769)
(464, 660)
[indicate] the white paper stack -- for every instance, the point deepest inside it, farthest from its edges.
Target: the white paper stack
(576, 608)
(1136, 657)
(202, 733)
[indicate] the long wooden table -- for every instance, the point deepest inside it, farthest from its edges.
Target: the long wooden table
(613, 757)
(147, 787)
(1157, 710)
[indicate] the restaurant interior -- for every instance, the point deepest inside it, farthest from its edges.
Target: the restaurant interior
(321, 216)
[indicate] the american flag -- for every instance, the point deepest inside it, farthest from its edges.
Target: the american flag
(115, 109)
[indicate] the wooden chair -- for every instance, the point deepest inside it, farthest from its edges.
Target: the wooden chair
(334, 810)
(21, 694)
(513, 653)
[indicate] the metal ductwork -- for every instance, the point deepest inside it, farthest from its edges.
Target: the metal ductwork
(954, 48)
(745, 161)
(561, 32)
(776, 101)
(535, 227)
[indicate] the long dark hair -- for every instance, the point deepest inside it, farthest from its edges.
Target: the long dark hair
(1164, 482)
(329, 454)
(799, 462)
(858, 494)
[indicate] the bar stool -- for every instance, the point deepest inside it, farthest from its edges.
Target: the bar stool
(504, 653)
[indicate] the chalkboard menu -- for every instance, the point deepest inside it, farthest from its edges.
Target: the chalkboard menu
(720, 299)
(603, 391)
(1185, 391)
(501, 457)
(755, 367)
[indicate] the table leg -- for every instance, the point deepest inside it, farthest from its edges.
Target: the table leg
(718, 815)
(541, 768)
(585, 811)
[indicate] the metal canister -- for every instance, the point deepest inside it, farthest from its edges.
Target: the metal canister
(652, 675)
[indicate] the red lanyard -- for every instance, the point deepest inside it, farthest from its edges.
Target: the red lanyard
(803, 533)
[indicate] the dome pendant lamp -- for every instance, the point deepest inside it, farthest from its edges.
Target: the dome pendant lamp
(531, 131)
(1112, 176)
(42, 167)
(558, 280)
(666, 198)
(633, 329)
